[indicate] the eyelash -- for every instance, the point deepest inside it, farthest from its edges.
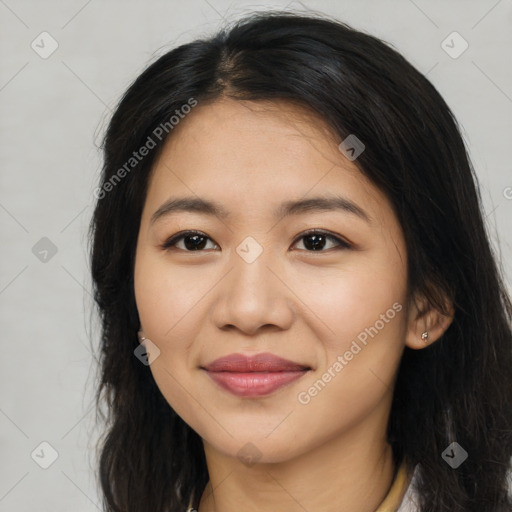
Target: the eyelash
(171, 242)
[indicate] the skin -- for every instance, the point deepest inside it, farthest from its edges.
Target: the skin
(329, 454)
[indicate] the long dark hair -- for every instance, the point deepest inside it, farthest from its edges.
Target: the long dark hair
(458, 389)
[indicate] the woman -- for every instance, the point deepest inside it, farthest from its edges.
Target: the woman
(299, 303)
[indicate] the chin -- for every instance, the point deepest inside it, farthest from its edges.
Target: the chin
(255, 449)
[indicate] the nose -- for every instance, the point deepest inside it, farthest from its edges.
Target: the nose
(253, 296)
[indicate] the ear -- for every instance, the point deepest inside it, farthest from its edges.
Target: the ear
(426, 324)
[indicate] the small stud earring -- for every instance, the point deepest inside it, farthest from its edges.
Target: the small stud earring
(141, 336)
(424, 336)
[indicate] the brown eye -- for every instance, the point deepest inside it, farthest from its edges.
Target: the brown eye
(317, 241)
(192, 241)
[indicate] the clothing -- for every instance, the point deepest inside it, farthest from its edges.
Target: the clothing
(400, 497)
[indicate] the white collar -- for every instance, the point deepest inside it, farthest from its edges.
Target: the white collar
(410, 500)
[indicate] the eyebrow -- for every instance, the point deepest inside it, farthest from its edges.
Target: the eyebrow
(301, 206)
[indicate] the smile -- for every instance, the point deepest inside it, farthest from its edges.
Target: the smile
(256, 375)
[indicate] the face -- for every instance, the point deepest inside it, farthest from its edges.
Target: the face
(272, 271)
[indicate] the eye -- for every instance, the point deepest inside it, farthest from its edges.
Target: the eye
(314, 240)
(193, 241)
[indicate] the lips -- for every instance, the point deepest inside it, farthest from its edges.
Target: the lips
(264, 362)
(256, 375)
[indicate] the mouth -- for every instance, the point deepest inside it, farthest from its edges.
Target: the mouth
(258, 375)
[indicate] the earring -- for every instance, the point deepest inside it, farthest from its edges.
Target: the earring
(424, 336)
(141, 336)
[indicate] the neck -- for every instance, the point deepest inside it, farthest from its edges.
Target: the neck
(350, 472)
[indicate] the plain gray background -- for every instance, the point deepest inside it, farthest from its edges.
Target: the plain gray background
(54, 111)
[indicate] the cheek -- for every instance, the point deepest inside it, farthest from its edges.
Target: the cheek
(168, 300)
(361, 324)
(349, 302)
(165, 295)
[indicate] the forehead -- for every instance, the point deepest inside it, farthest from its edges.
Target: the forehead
(252, 156)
